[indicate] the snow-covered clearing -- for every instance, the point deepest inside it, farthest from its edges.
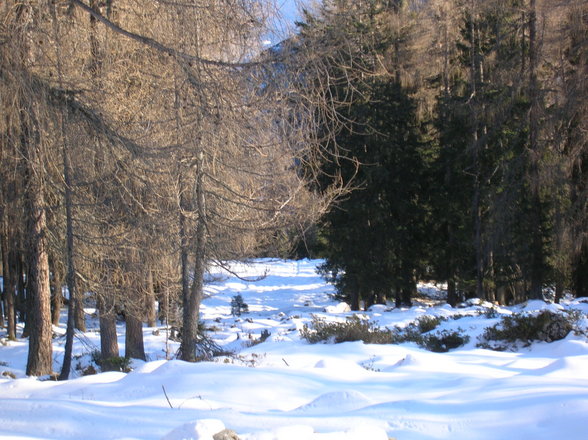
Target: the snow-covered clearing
(287, 389)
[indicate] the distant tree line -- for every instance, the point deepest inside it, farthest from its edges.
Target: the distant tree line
(462, 126)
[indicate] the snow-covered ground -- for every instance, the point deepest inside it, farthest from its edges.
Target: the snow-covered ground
(286, 389)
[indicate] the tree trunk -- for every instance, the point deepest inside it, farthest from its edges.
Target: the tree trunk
(150, 308)
(56, 293)
(79, 316)
(21, 297)
(8, 279)
(40, 359)
(476, 70)
(108, 336)
(192, 302)
(134, 347)
(74, 302)
(580, 273)
(9, 287)
(451, 292)
(537, 247)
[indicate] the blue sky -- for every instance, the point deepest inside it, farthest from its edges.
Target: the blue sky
(289, 13)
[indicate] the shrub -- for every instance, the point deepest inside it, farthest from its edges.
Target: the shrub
(357, 329)
(522, 327)
(354, 329)
(444, 341)
(427, 323)
(115, 363)
(265, 333)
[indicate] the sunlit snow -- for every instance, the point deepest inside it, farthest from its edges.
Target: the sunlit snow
(285, 388)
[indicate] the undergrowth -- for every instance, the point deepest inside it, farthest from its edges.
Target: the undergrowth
(525, 328)
(358, 329)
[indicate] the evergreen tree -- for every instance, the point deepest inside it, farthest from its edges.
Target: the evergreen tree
(484, 135)
(374, 237)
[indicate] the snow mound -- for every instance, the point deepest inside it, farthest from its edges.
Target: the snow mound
(536, 306)
(379, 308)
(338, 401)
(342, 307)
(200, 430)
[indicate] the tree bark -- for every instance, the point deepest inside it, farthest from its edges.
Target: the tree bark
(151, 310)
(134, 347)
(194, 298)
(8, 279)
(108, 336)
(73, 304)
(56, 294)
(39, 360)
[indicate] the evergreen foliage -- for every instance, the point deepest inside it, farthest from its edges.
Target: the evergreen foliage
(462, 173)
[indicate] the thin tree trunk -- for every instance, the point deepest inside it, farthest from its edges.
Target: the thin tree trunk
(74, 302)
(56, 294)
(185, 268)
(150, 308)
(10, 303)
(537, 248)
(21, 298)
(8, 279)
(475, 67)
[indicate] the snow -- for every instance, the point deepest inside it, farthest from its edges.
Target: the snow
(286, 389)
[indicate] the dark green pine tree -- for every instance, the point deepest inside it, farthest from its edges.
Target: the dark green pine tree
(572, 133)
(375, 237)
(451, 194)
(484, 165)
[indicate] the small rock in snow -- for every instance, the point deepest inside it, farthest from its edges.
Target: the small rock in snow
(226, 434)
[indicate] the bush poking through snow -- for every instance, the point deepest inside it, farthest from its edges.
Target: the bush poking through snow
(427, 323)
(115, 363)
(238, 306)
(354, 329)
(444, 341)
(546, 326)
(9, 374)
(357, 329)
(265, 334)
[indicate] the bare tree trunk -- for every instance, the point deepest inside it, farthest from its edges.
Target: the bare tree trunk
(56, 294)
(134, 347)
(9, 285)
(74, 302)
(108, 336)
(39, 360)
(151, 310)
(186, 292)
(192, 302)
(79, 315)
(21, 298)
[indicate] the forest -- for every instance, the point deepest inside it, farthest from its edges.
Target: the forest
(143, 142)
